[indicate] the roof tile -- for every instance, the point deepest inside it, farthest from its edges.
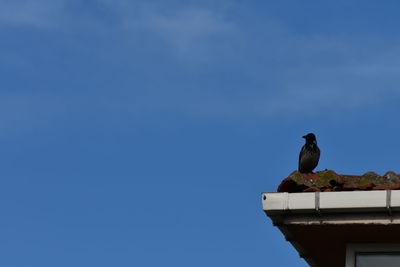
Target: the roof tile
(328, 181)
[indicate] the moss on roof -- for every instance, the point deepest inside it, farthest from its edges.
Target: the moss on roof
(329, 180)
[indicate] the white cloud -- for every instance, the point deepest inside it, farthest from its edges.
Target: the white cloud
(44, 14)
(188, 29)
(287, 72)
(184, 28)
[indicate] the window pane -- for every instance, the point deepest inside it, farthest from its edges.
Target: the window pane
(373, 260)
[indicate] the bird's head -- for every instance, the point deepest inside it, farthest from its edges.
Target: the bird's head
(310, 138)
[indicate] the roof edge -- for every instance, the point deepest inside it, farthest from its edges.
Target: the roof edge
(331, 202)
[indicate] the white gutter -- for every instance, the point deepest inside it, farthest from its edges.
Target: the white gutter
(333, 207)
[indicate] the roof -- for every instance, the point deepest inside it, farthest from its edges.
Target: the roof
(318, 224)
(320, 213)
(328, 181)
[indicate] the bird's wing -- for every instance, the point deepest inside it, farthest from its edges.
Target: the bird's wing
(318, 153)
(300, 154)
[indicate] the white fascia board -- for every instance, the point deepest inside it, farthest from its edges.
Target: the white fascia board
(395, 200)
(288, 201)
(311, 202)
(353, 200)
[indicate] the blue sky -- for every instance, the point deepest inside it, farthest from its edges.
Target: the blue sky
(142, 133)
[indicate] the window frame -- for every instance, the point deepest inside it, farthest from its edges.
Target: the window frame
(353, 249)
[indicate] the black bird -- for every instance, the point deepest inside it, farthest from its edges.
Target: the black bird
(309, 154)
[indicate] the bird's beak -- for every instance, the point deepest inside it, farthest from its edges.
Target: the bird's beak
(304, 137)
